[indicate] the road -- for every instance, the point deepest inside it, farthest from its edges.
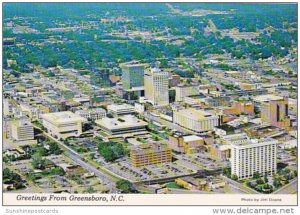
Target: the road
(77, 158)
(290, 188)
(238, 186)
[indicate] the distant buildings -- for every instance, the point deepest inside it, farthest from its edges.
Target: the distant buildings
(120, 109)
(249, 156)
(7, 107)
(100, 77)
(240, 108)
(156, 86)
(195, 120)
(148, 154)
(132, 74)
(121, 127)
(63, 124)
(22, 130)
(92, 114)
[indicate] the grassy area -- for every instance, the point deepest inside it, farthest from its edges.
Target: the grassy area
(173, 185)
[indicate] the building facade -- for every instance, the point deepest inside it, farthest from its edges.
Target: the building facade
(22, 130)
(120, 109)
(249, 156)
(132, 74)
(183, 91)
(276, 112)
(92, 114)
(62, 125)
(156, 86)
(149, 154)
(121, 127)
(195, 120)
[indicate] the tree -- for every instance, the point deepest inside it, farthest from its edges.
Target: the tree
(111, 151)
(276, 183)
(38, 162)
(234, 177)
(54, 148)
(256, 175)
(259, 181)
(125, 186)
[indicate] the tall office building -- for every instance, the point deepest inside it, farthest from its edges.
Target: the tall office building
(156, 86)
(275, 111)
(249, 156)
(132, 74)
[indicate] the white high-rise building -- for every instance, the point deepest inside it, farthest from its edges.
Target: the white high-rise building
(249, 156)
(157, 86)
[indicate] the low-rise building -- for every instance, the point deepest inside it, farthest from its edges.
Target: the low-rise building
(191, 183)
(22, 130)
(63, 124)
(121, 127)
(120, 109)
(186, 144)
(92, 114)
(183, 91)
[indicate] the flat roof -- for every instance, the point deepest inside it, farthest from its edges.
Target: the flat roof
(266, 98)
(91, 110)
(63, 117)
(125, 121)
(195, 113)
(116, 107)
(191, 138)
(149, 148)
(133, 64)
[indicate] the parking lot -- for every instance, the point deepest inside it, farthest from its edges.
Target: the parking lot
(150, 172)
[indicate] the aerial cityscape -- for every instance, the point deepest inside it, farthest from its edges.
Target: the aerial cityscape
(150, 98)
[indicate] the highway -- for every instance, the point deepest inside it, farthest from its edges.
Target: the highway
(77, 158)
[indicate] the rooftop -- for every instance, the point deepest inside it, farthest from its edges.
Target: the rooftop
(133, 64)
(266, 98)
(63, 117)
(149, 148)
(116, 107)
(195, 114)
(92, 110)
(191, 138)
(121, 122)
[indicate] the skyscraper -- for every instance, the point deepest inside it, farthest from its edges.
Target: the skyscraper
(132, 74)
(156, 86)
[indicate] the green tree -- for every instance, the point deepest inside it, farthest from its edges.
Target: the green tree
(256, 175)
(234, 177)
(125, 186)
